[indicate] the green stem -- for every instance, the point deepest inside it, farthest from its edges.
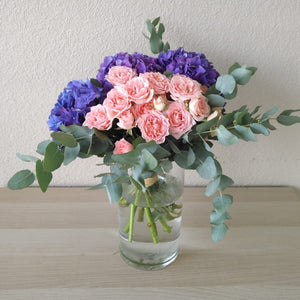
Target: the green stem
(131, 220)
(140, 217)
(133, 208)
(151, 224)
(164, 224)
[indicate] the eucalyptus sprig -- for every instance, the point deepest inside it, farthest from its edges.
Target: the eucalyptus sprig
(155, 39)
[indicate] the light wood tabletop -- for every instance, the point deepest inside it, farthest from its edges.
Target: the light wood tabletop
(64, 245)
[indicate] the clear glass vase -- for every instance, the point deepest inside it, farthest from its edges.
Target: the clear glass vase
(149, 228)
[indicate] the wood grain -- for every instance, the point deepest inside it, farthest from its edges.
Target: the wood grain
(64, 245)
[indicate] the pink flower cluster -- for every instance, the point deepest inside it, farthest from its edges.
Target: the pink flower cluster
(158, 106)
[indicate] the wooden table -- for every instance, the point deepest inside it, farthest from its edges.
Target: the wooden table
(64, 245)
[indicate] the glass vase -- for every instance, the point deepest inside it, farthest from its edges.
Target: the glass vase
(150, 221)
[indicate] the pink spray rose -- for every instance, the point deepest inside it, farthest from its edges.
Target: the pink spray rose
(184, 88)
(199, 108)
(126, 119)
(116, 102)
(97, 118)
(160, 102)
(141, 109)
(122, 146)
(179, 118)
(118, 75)
(158, 82)
(154, 126)
(138, 90)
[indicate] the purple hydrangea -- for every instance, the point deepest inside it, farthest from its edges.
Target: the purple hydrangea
(192, 64)
(140, 62)
(75, 102)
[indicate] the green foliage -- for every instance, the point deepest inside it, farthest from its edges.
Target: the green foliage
(53, 157)
(225, 137)
(41, 148)
(44, 177)
(21, 180)
(156, 43)
(64, 139)
(218, 232)
(215, 100)
(70, 154)
(286, 119)
(27, 158)
(226, 84)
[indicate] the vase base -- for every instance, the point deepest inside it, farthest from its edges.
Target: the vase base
(149, 267)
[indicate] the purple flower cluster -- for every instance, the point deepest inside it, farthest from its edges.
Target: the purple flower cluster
(75, 102)
(139, 62)
(191, 64)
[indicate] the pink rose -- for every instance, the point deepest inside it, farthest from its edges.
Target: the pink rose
(116, 102)
(141, 109)
(158, 82)
(97, 118)
(126, 119)
(154, 126)
(118, 75)
(160, 102)
(199, 108)
(138, 90)
(122, 146)
(184, 88)
(179, 118)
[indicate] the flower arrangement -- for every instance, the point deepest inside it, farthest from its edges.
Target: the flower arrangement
(141, 114)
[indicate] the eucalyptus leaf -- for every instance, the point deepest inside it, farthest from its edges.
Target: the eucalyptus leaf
(217, 219)
(44, 177)
(65, 139)
(259, 128)
(288, 120)
(27, 158)
(222, 202)
(270, 112)
(155, 21)
(233, 67)
(246, 133)
(225, 182)
(268, 125)
(41, 148)
(226, 120)
(208, 168)
(70, 154)
(206, 125)
(226, 137)
(226, 84)
(241, 75)
(212, 186)
(218, 232)
(215, 100)
(149, 160)
(53, 157)
(21, 180)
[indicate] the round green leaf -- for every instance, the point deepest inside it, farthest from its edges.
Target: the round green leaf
(241, 75)
(44, 177)
(221, 203)
(208, 168)
(218, 232)
(21, 180)
(226, 137)
(53, 157)
(215, 100)
(65, 139)
(226, 84)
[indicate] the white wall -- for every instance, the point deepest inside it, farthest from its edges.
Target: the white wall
(45, 44)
